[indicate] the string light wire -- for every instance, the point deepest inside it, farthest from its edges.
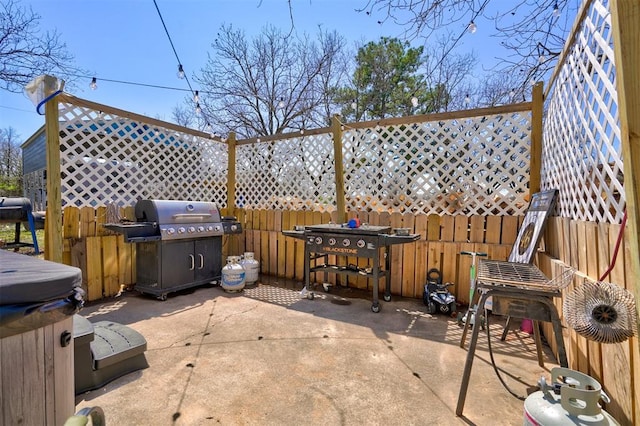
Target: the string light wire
(199, 110)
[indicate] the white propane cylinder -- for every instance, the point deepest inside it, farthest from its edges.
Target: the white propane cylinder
(251, 267)
(233, 275)
(572, 403)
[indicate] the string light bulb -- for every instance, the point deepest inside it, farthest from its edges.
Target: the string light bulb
(281, 103)
(354, 105)
(196, 97)
(541, 59)
(94, 84)
(467, 100)
(180, 71)
(414, 101)
(198, 109)
(556, 10)
(472, 27)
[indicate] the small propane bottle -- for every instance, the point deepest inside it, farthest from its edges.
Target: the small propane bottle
(251, 267)
(572, 402)
(233, 275)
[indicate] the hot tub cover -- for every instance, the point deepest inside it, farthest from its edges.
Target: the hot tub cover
(25, 279)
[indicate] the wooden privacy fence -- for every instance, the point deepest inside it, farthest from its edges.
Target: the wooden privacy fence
(442, 239)
(588, 247)
(108, 263)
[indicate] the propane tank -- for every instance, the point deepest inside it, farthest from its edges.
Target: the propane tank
(572, 402)
(233, 275)
(251, 267)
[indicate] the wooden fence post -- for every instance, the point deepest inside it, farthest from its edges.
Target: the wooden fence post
(336, 129)
(53, 223)
(535, 164)
(231, 174)
(625, 15)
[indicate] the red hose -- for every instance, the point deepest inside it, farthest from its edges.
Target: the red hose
(616, 248)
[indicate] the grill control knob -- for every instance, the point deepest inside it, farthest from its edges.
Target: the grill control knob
(318, 240)
(181, 230)
(332, 241)
(209, 228)
(191, 229)
(234, 227)
(200, 228)
(361, 243)
(346, 242)
(170, 231)
(217, 227)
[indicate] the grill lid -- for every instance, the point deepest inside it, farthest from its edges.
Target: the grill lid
(166, 212)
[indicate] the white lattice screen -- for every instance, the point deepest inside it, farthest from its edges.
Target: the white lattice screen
(582, 154)
(469, 166)
(110, 159)
(291, 174)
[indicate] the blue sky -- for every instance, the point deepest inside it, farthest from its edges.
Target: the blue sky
(124, 40)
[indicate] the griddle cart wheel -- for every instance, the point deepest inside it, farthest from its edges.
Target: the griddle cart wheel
(310, 295)
(162, 297)
(387, 297)
(375, 308)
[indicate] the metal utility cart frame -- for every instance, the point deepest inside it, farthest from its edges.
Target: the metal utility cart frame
(367, 241)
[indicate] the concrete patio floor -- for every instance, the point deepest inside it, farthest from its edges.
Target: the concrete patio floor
(266, 356)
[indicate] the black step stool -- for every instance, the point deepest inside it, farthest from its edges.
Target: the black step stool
(104, 351)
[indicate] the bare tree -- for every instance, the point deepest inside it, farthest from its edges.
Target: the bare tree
(26, 51)
(183, 115)
(276, 82)
(533, 31)
(10, 163)
(448, 75)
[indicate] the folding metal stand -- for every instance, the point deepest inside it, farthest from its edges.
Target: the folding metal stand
(526, 293)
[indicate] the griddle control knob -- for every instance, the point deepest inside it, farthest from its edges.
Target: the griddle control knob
(181, 230)
(332, 241)
(346, 242)
(361, 243)
(318, 240)
(191, 229)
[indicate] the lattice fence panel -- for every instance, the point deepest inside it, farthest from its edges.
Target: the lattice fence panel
(471, 166)
(291, 174)
(110, 159)
(582, 154)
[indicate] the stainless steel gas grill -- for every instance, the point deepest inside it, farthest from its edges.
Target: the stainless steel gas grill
(179, 244)
(366, 241)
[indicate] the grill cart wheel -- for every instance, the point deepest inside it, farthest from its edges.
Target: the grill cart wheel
(375, 308)
(387, 297)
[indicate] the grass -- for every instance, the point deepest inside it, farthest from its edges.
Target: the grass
(8, 236)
